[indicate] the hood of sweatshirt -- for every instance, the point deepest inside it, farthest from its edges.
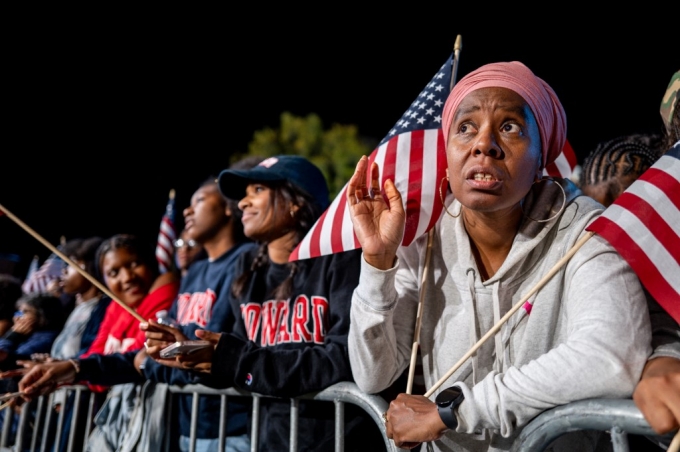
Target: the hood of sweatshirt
(544, 210)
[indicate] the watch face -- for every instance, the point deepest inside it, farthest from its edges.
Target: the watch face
(448, 395)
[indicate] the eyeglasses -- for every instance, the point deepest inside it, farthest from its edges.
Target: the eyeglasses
(179, 243)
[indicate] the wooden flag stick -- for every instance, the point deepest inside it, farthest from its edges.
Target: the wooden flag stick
(509, 314)
(419, 316)
(85, 274)
(675, 443)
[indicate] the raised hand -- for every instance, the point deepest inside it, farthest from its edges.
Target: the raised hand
(379, 226)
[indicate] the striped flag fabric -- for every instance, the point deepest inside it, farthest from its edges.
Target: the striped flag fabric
(414, 157)
(643, 225)
(39, 277)
(166, 237)
(32, 269)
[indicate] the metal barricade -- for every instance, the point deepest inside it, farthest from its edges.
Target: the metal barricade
(619, 417)
(33, 432)
(615, 416)
(37, 415)
(339, 394)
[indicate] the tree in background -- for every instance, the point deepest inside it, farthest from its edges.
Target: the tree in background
(335, 151)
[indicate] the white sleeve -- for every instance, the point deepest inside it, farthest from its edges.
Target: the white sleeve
(383, 313)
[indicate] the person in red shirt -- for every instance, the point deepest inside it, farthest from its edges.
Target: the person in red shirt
(130, 271)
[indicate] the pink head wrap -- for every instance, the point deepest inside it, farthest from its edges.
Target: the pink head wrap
(550, 116)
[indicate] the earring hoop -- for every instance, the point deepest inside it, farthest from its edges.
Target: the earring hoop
(564, 200)
(441, 197)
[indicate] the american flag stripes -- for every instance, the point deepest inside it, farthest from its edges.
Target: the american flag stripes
(643, 224)
(166, 237)
(414, 157)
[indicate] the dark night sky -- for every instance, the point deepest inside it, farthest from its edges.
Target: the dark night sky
(102, 121)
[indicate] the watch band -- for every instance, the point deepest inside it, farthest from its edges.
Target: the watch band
(447, 402)
(448, 416)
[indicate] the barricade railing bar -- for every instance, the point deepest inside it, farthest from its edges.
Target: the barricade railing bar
(35, 427)
(618, 417)
(339, 394)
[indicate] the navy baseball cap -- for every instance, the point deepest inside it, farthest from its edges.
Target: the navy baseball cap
(292, 168)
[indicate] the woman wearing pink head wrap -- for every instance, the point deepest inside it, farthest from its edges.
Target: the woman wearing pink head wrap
(584, 334)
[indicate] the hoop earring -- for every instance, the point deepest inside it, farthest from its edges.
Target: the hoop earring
(564, 200)
(441, 197)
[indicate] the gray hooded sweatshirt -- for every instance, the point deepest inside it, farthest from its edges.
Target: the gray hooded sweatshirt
(585, 334)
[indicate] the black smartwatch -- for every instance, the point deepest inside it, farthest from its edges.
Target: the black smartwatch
(447, 402)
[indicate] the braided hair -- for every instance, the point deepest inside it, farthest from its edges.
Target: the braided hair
(283, 194)
(615, 164)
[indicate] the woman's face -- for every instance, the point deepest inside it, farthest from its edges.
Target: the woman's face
(186, 249)
(27, 313)
(71, 281)
(206, 214)
(128, 278)
(493, 151)
(261, 221)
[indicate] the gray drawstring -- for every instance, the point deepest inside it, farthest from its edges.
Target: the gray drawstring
(499, 359)
(474, 334)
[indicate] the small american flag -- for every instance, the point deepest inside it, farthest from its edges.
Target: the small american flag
(167, 236)
(413, 155)
(38, 277)
(643, 224)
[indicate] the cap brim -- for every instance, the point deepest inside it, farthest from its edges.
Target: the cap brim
(233, 183)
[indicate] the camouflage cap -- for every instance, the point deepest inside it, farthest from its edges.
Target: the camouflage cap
(670, 100)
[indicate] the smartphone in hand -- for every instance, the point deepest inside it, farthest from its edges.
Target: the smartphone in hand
(184, 348)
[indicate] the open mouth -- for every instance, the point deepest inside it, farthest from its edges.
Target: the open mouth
(483, 177)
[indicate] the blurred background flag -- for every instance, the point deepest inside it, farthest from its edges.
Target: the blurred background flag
(32, 268)
(39, 277)
(414, 157)
(643, 224)
(167, 236)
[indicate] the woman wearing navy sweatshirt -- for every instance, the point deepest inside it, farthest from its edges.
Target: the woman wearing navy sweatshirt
(290, 338)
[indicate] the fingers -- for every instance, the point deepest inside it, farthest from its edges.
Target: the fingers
(657, 395)
(393, 197)
(163, 333)
(13, 373)
(36, 384)
(414, 419)
(170, 362)
(153, 350)
(375, 180)
(208, 336)
(661, 411)
(357, 183)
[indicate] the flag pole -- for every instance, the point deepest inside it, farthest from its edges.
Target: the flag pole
(457, 46)
(509, 314)
(56, 251)
(675, 443)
